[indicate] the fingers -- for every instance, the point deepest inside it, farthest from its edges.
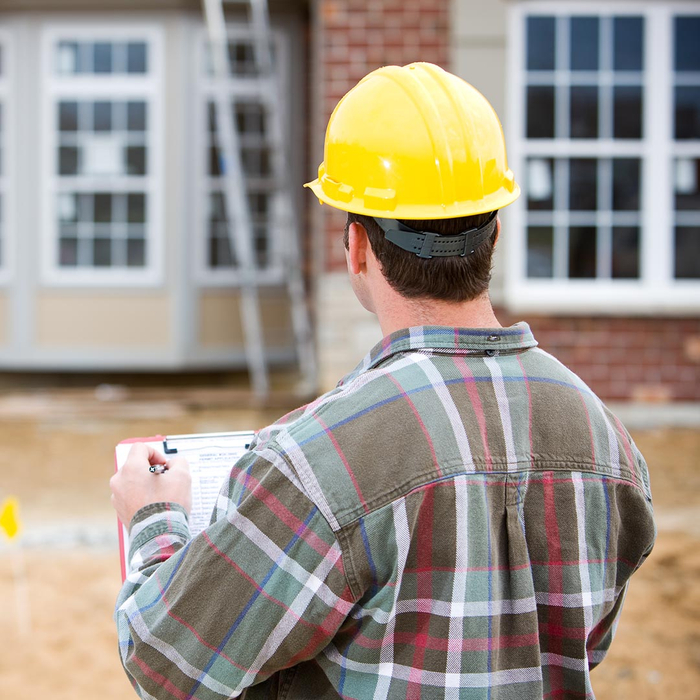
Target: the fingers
(141, 451)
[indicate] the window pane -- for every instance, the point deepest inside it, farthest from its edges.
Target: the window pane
(85, 58)
(256, 162)
(217, 210)
(67, 207)
(102, 252)
(261, 245)
(101, 156)
(582, 252)
(219, 248)
(136, 57)
(687, 252)
(136, 252)
(687, 184)
(688, 112)
(540, 112)
(540, 184)
(627, 114)
(584, 43)
(250, 118)
(259, 204)
(68, 252)
(103, 208)
(626, 184)
(136, 208)
(625, 252)
(687, 30)
(241, 59)
(136, 116)
(135, 160)
(584, 112)
(67, 116)
(540, 43)
(215, 166)
(102, 116)
(583, 182)
(102, 58)
(68, 160)
(540, 251)
(67, 57)
(211, 117)
(628, 35)
(85, 207)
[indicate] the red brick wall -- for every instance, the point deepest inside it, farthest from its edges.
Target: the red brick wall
(354, 38)
(622, 359)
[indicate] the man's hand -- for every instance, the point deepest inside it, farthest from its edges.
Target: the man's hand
(134, 486)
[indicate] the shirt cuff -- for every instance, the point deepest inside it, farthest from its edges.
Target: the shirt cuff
(155, 520)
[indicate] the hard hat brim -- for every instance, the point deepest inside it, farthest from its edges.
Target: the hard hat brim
(357, 205)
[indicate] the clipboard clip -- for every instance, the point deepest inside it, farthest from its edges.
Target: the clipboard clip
(169, 450)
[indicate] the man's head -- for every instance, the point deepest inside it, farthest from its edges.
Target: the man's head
(411, 152)
(453, 278)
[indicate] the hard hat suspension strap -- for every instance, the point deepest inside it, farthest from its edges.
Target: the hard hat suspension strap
(426, 244)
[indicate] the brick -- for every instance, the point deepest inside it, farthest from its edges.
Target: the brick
(651, 393)
(691, 348)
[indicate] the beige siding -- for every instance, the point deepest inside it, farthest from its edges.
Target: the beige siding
(346, 331)
(479, 47)
(220, 319)
(479, 38)
(4, 320)
(102, 320)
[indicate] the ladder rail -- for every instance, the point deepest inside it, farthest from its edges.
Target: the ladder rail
(301, 323)
(235, 200)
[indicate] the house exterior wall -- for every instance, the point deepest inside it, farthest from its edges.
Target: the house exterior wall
(622, 354)
(351, 38)
(220, 319)
(76, 320)
(178, 318)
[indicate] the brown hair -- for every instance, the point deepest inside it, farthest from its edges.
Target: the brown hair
(447, 278)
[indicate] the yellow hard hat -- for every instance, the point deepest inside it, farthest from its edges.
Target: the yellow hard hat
(414, 142)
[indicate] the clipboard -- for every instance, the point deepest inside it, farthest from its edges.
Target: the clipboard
(211, 457)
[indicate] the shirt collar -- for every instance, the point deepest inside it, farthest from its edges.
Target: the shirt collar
(459, 341)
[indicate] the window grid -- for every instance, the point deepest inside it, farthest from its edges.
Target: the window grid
(622, 283)
(102, 98)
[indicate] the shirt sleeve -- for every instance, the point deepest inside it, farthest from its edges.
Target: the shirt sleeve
(261, 589)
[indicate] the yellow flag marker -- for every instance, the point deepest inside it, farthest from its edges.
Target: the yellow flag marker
(10, 523)
(9, 518)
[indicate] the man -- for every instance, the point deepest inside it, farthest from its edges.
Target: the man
(459, 518)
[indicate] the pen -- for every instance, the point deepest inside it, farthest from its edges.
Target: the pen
(157, 468)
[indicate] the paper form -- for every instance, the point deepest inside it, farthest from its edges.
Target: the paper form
(210, 457)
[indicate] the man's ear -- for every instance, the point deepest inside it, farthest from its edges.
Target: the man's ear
(498, 230)
(358, 244)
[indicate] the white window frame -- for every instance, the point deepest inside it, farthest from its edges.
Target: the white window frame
(206, 276)
(148, 87)
(7, 143)
(656, 290)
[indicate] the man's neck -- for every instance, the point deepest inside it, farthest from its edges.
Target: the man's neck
(404, 313)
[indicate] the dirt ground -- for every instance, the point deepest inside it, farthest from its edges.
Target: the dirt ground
(58, 588)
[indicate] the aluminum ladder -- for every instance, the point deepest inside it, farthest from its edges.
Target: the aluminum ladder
(236, 205)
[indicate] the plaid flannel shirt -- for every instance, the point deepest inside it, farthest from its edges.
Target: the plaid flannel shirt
(459, 518)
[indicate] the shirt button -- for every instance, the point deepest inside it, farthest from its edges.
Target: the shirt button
(493, 338)
(492, 353)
